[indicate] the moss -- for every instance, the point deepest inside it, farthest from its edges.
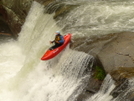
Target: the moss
(99, 73)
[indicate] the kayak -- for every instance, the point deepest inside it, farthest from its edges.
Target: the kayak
(49, 54)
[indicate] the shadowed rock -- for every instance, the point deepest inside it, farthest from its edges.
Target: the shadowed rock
(14, 12)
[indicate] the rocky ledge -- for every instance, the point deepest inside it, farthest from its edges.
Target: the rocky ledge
(112, 50)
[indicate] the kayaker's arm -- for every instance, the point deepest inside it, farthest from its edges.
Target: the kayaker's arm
(52, 41)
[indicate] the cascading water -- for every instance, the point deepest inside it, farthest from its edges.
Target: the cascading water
(24, 77)
(60, 79)
(94, 17)
(104, 93)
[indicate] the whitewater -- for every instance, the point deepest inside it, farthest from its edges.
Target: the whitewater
(24, 77)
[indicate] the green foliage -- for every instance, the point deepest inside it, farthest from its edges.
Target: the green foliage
(99, 73)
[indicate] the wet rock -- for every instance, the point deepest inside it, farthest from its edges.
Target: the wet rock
(14, 14)
(4, 37)
(115, 53)
(83, 96)
(93, 87)
(118, 53)
(121, 88)
(60, 9)
(122, 77)
(113, 50)
(123, 73)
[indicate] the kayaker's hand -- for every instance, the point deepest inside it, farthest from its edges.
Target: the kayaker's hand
(51, 42)
(57, 41)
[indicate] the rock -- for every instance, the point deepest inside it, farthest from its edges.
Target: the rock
(14, 14)
(122, 73)
(118, 53)
(112, 50)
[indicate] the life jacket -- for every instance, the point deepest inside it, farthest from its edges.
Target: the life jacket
(59, 38)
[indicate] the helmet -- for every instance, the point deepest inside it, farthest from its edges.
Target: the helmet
(57, 32)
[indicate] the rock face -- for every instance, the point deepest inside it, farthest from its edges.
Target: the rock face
(123, 72)
(113, 50)
(119, 52)
(14, 12)
(115, 53)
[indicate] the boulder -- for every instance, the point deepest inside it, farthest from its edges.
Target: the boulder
(112, 50)
(119, 52)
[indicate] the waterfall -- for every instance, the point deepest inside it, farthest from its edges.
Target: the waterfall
(24, 77)
(104, 93)
(62, 78)
(124, 92)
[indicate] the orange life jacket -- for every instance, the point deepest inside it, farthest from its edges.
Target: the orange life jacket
(57, 38)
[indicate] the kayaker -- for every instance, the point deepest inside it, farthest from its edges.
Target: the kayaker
(59, 40)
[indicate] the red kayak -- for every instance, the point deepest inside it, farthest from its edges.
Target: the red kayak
(52, 53)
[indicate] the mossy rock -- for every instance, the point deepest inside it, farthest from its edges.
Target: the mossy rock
(99, 73)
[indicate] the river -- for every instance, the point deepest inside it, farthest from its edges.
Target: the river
(24, 77)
